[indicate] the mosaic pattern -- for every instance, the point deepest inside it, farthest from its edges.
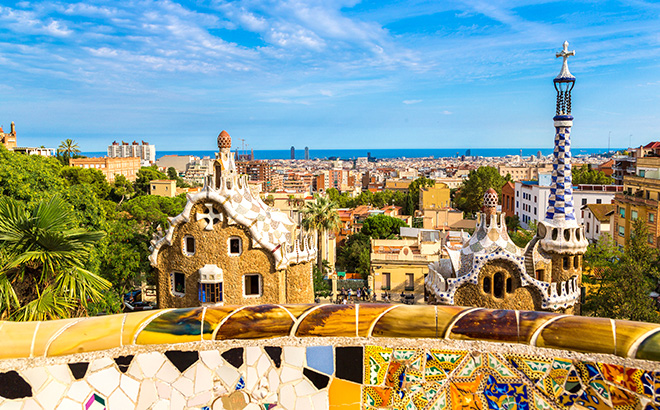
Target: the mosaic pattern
(542, 329)
(325, 377)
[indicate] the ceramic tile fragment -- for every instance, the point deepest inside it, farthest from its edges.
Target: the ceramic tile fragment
(275, 354)
(99, 364)
(234, 356)
(13, 386)
(168, 373)
(349, 363)
(287, 397)
(256, 322)
(320, 358)
(211, 358)
(79, 391)
(344, 395)
(228, 375)
(164, 390)
(130, 387)
(60, 373)
(212, 318)
(203, 379)
(123, 362)
(289, 374)
(320, 400)
(184, 385)
(148, 394)
(627, 334)
(51, 393)
(182, 360)
(303, 403)
(177, 401)
(68, 404)
(294, 356)
(105, 381)
(150, 363)
(78, 370)
(95, 402)
(367, 314)
(319, 380)
(252, 353)
(46, 332)
(119, 400)
(200, 399)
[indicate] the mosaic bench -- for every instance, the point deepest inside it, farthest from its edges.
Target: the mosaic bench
(367, 356)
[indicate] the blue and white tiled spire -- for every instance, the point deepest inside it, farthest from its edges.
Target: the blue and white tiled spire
(560, 204)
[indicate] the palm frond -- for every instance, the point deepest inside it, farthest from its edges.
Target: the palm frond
(50, 305)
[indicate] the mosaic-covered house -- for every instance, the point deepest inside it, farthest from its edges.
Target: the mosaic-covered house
(491, 271)
(229, 247)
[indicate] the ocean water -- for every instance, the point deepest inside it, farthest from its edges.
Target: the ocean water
(383, 153)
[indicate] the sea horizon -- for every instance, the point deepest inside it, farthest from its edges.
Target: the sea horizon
(380, 153)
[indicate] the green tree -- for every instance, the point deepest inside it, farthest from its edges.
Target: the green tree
(154, 210)
(321, 286)
(146, 175)
(355, 255)
(586, 175)
(521, 237)
(68, 148)
(121, 189)
(469, 198)
(624, 281)
(321, 217)
(381, 226)
(173, 174)
(93, 177)
(29, 178)
(43, 273)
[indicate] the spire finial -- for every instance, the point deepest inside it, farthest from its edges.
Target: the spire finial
(564, 74)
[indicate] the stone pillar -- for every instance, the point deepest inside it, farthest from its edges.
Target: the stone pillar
(334, 278)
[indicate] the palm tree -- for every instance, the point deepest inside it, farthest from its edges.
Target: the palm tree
(321, 216)
(68, 147)
(42, 254)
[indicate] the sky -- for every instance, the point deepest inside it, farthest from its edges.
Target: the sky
(327, 74)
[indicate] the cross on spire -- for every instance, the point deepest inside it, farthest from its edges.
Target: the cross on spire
(565, 53)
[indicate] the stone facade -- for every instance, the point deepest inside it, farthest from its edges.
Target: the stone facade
(8, 139)
(228, 247)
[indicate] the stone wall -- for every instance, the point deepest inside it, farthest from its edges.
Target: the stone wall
(366, 356)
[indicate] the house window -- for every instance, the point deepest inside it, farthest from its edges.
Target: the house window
(386, 281)
(599, 201)
(587, 227)
(584, 201)
(642, 173)
(410, 282)
(596, 228)
(651, 239)
(622, 231)
(252, 285)
(539, 274)
(576, 261)
(235, 246)
(622, 212)
(509, 285)
(178, 282)
(567, 262)
(210, 292)
(651, 217)
(633, 215)
(188, 245)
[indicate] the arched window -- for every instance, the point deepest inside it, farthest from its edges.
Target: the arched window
(486, 285)
(235, 246)
(178, 283)
(567, 262)
(509, 285)
(188, 245)
(498, 285)
(576, 262)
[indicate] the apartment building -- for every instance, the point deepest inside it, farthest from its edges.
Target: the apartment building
(597, 220)
(145, 151)
(640, 199)
(128, 167)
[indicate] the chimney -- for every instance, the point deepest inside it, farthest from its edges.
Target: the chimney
(13, 128)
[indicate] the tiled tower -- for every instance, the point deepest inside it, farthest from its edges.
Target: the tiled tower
(559, 235)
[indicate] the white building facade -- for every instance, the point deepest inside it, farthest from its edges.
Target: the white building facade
(145, 151)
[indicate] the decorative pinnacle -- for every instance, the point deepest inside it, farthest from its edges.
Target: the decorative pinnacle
(564, 73)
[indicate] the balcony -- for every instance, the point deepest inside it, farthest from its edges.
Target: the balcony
(635, 200)
(642, 182)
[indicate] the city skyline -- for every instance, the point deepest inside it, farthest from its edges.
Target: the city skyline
(329, 74)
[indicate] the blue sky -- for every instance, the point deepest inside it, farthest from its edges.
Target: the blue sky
(326, 74)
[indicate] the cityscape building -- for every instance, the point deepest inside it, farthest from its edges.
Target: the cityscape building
(8, 139)
(110, 167)
(145, 151)
(293, 152)
(307, 153)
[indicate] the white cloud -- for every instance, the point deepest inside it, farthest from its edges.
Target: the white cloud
(408, 102)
